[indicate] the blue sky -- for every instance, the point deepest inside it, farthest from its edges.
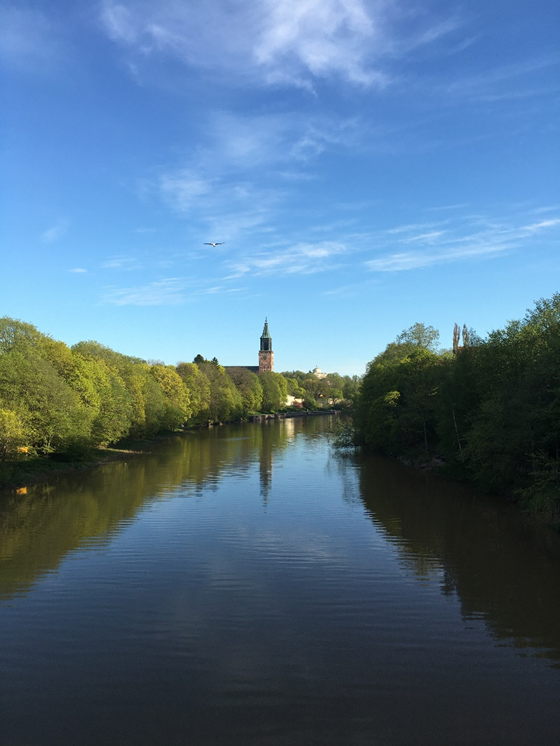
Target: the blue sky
(367, 163)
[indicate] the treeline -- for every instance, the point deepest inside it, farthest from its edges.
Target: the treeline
(330, 390)
(489, 409)
(57, 399)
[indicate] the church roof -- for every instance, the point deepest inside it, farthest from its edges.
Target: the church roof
(265, 333)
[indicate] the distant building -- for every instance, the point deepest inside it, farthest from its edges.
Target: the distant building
(266, 355)
(318, 373)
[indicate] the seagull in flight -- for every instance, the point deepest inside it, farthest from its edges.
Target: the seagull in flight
(219, 243)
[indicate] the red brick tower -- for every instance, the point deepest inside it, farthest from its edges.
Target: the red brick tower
(266, 356)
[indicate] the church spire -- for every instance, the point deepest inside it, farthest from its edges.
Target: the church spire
(265, 333)
(266, 356)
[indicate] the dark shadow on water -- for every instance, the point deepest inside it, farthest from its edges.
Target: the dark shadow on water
(502, 565)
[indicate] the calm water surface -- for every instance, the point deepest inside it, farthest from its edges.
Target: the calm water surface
(246, 585)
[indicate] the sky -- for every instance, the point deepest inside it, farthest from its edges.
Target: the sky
(366, 164)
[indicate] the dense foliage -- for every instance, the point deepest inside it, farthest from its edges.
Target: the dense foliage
(56, 399)
(490, 409)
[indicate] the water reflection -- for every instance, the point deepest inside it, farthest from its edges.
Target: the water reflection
(42, 525)
(503, 568)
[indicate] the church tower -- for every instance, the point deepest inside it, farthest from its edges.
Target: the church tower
(266, 356)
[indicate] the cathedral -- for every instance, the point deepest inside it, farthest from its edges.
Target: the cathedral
(266, 355)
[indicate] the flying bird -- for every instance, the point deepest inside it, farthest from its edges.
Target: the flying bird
(209, 243)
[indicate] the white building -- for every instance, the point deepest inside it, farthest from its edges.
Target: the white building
(318, 373)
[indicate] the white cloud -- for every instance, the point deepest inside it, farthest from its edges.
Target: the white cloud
(78, 270)
(55, 232)
(409, 227)
(237, 142)
(302, 258)
(292, 43)
(445, 208)
(461, 239)
(417, 259)
(223, 208)
(546, 208)
(120, 262)
(321, 37)
(183, 189)
(120, 23)
(534, 227)
(236, 184)
(430, 237)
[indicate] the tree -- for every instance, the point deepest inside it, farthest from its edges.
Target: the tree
(395, 410)
(12, 434)
(17, 335)
(46, 406)
(178, 409)
(456, 338)
(225, 400)
(420, 335)
(249, 386)
(198, 387)
(275, 391)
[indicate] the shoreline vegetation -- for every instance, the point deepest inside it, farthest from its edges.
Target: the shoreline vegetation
(486, 411)
(18, 475)
(81, 405)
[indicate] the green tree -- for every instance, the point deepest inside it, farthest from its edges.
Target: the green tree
(396, 408)
(420, 335)
(225, 400)
(48, 409)
(275, 391)
(249, 387)
(12, 434)
(178, 409)
(198, 387)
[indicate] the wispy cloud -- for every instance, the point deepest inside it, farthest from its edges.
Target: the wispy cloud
(183, 188)
(78, 270)
(444, 208)
(291, 43)
(546, 208)
(55, 232)
(320, 38)
(260, 140)
(534, 227)
(416, 259)
(426, 238)
(235, 182)
(159, 293)
(121, 262)
(302, 258)
(469, 237)
(522, 79)
(172, 291)
(223, 207)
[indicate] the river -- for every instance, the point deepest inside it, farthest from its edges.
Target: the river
(249, 585)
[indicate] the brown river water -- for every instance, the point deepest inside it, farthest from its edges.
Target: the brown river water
(249, 585)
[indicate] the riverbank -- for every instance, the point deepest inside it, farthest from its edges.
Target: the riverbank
(32, 470)
(291, 414)
(18, 475)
